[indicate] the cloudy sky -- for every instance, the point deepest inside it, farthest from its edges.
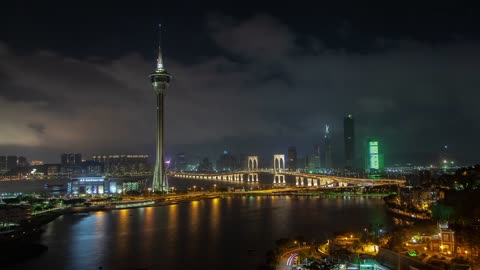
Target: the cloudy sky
(251, 78)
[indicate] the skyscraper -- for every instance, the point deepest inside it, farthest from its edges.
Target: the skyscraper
(160, 80)
(349, 140)
(226, 162)
(292, 158)
(328, 148)
(314, 164)
(180, 162)
(374, 160)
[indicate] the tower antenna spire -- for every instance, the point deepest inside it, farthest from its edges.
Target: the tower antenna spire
(160, 58)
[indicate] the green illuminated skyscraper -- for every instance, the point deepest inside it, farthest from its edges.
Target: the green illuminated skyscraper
(374, 158)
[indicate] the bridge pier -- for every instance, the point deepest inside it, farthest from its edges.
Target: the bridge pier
(252, 177)
(279, 179)
(299, 181)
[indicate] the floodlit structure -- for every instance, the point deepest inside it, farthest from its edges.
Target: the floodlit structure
(374, 156)
(252, 163)
(160, 80)
(278, 162)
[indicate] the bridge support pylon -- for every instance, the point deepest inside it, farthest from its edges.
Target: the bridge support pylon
(299, 181)
(252, 163)
(252, 177)
(279, 179)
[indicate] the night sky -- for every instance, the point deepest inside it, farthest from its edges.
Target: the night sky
(249, 77)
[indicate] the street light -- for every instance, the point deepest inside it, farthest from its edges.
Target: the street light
(214, 187)
(194, 188)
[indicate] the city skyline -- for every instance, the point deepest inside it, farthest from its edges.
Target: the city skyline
(97, 100)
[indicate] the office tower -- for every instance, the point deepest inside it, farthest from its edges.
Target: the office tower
(226, 162)
(315, 160)
(327, 148)
(349, 141)
(374, 156)
(160, 80)
(292, 158)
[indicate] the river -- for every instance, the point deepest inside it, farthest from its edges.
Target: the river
(207, 234)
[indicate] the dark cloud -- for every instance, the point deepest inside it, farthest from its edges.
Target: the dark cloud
(37, 127)
(269, 87)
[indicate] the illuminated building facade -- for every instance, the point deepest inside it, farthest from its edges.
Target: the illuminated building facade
(160, 80)
(374, 156)
(349, 141)
(123, 165)
(36, 162)
(100, 185)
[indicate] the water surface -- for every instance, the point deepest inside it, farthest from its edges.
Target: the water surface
(208, 234)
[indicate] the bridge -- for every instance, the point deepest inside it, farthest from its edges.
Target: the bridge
(301, 179)
(279, 174)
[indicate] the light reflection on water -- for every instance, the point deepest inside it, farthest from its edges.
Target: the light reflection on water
(208, 234)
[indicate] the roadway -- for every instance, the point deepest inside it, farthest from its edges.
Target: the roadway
(328, 180)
